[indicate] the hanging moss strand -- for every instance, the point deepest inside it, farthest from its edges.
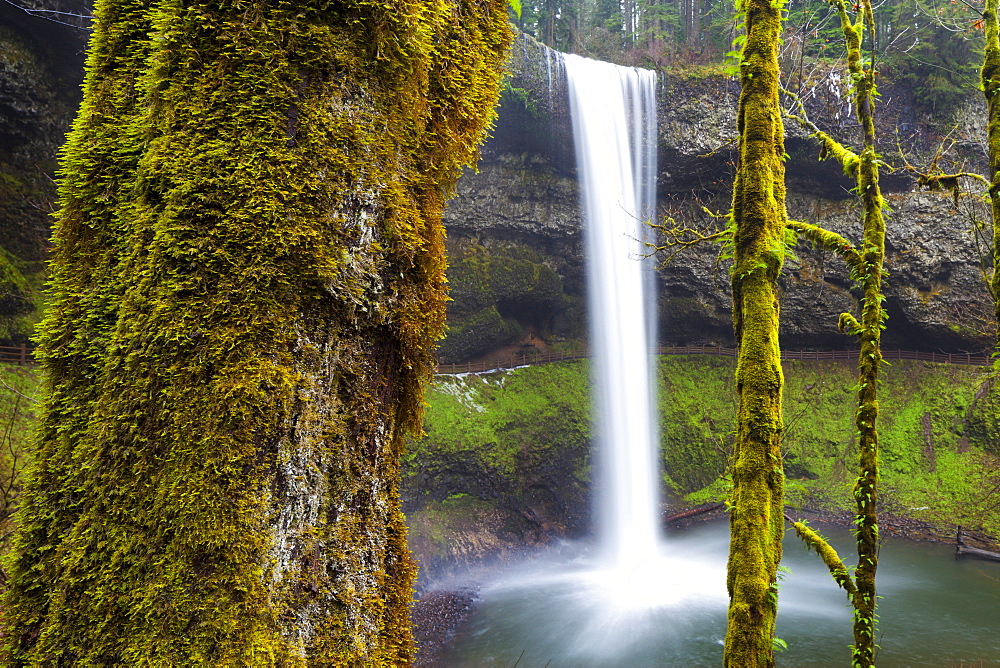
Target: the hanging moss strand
(224, 482)
(759, 214)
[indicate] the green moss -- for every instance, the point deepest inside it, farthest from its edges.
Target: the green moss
(506, 424)
(475, 333)
(696, 427)
(716, 492)
(500, 291)
(867, 268)
(759, 219)
(989, 78)
(247, 288)
(481, 436)
(510, 95)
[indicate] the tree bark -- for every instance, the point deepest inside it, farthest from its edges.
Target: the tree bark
(759, 219)
(247, 289)
(990, 78)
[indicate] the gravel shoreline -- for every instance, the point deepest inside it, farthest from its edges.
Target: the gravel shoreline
(437, 615)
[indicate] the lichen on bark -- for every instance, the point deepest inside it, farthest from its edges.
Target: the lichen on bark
(248, 286)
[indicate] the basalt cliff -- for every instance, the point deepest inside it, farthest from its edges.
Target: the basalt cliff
(515, 230)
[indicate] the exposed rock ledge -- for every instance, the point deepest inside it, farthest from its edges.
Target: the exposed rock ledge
(515, 237)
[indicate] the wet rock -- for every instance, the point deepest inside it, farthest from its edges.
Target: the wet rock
(437, 615)
(524, 201)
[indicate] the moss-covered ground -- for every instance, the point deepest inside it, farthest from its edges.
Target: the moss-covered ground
(508, 422)
(522, 437)
(497, 436)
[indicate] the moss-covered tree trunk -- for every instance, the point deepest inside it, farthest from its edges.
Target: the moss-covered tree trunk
(990, 78)
(248, 284)
(867, 268)
(756, 520)
(869, 273)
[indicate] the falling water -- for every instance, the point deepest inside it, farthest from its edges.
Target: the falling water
(642, 601)
(614, 122)
(606, 607)
(548, 71)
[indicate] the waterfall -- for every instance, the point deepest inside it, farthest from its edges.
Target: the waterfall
(613, 111)
(636, 600)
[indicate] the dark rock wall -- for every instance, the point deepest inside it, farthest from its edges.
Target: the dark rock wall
(523, 202)
(517, 273)
(41, 66)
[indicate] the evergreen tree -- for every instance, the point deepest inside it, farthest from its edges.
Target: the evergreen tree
(247, 286)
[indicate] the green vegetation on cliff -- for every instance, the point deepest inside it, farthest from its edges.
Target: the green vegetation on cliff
(507, 425)
(483, 438)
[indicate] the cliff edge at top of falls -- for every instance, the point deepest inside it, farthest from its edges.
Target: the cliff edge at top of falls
(515, 242)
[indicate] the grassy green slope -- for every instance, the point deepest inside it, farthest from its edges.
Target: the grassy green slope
(19, 395)
(496, 436)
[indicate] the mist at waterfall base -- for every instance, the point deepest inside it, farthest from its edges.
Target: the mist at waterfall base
(934, 611)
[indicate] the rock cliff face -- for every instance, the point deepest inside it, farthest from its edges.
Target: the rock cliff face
(515, 228)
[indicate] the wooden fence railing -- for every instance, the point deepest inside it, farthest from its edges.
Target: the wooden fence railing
(20, 355)
(525, 359)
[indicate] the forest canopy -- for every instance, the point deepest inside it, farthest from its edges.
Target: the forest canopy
(933, 46)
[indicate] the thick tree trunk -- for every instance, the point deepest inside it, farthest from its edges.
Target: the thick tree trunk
(248, 287)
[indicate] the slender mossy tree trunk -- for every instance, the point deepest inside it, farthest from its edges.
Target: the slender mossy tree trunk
(247, 288)
(866, 265)
(759, 219)
(990, 77)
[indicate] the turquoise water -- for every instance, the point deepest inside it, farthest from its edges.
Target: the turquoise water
(935, 611)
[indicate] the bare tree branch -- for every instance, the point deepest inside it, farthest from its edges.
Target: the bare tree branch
(48, 15)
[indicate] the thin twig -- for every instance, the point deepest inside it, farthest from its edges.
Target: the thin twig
(23, 396)
(41, 14)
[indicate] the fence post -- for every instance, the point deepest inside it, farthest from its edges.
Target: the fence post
(23, 361)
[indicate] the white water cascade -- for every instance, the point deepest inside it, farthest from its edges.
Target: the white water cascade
(614, 128)
(636, 599)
